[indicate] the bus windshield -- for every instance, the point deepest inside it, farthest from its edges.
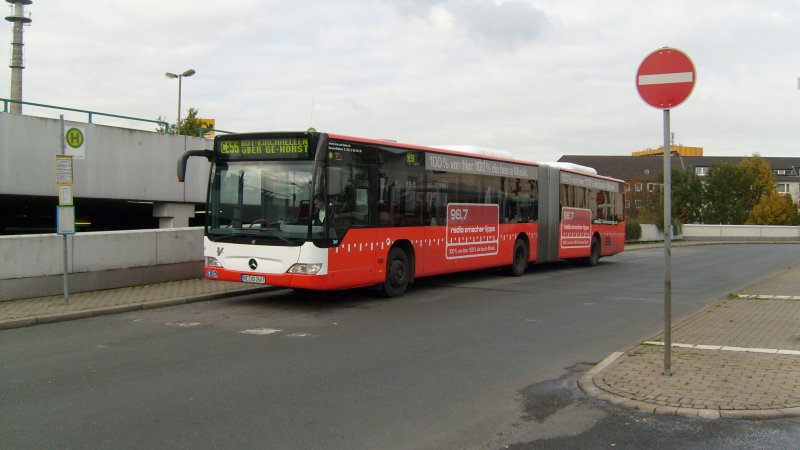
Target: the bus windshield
(261, 202)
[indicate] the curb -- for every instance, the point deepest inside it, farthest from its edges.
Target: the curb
(94, 312)
(587, 385)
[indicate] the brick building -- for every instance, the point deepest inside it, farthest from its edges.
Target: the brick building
(642, 172)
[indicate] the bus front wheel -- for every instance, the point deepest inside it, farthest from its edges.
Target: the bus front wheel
(398, 273)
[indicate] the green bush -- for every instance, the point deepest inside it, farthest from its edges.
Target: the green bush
(633, 231)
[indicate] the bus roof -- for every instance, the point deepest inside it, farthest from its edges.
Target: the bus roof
(568, 167)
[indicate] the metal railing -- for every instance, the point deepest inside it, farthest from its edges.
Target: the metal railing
(202, 131)
(163, 125)
(91, 114)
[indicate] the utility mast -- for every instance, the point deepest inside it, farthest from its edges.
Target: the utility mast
(19, 19)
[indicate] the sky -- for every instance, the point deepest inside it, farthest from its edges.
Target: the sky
(539, 79)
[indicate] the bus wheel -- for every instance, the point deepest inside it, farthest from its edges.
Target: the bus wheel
(519, 263)
(398, 273)
(594, 254)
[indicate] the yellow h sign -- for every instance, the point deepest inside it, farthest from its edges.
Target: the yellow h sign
(75, 138)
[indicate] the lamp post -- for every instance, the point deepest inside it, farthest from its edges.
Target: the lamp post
(180, 76)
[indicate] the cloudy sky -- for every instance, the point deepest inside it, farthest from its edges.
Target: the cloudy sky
(539, 78)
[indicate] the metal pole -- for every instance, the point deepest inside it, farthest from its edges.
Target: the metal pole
(180, 78)
(667, 247)
(66, 259)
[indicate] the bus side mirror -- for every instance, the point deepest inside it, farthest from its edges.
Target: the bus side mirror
(209, 155)
(335, 180)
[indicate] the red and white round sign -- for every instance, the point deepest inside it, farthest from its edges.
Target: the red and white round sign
(665, 78)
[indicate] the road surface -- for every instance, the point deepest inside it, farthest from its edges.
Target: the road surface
(476, 360)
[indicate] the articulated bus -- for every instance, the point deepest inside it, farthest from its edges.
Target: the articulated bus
(319, 211)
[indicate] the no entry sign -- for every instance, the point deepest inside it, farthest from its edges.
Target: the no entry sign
(665, 78)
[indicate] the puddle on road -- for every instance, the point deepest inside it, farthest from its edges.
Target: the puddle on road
(556, 414)
(544, 399)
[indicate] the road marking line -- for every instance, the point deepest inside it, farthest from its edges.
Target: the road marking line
(768, 297)
(789, 352)
(183, 324)
(773, 351)
(682, 345)
(707, 347)
(261, 331)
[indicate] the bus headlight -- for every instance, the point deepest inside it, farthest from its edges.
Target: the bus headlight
(306, 269)
(212, 262)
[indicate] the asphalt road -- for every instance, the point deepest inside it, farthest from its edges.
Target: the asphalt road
(477, 360)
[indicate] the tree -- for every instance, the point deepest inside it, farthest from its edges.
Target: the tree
(189, 126)
(774, 209)
(763, 180)
(732, 190)
(687, 199)
(687, 196)
(728, 194)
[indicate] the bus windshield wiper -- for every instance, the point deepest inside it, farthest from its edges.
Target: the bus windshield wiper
(260, 234)
(223, 237)
(276, 235)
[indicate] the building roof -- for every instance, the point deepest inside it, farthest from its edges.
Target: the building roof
(681, 150)
(622, 167)
(637, 167)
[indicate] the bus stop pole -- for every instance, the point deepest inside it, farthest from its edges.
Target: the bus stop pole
(64, 236)
(667, 247)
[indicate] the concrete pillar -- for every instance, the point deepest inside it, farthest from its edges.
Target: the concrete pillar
(173, 215)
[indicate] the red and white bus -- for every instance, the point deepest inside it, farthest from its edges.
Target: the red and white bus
(320, 211)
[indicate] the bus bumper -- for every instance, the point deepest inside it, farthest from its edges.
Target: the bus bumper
(294, 281)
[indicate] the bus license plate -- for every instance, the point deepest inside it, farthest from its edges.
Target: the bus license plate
(254, 279)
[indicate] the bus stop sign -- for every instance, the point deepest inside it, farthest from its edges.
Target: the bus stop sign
(665, 78)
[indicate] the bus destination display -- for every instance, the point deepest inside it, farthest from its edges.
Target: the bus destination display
(265, 148)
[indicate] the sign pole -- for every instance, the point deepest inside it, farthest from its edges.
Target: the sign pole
(664, 80)
(66, 259)
(667, 247)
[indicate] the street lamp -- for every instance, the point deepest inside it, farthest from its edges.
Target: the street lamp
(180, 76)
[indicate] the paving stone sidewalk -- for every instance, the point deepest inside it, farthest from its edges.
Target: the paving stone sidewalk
(739, 358)
(32, 311)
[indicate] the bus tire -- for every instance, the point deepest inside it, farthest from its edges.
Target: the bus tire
(594, 254)
(398, 273)
(519, 260)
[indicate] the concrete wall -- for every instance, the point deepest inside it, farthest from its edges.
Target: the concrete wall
(696, 232)
(120, 163)
(741, 232)
(651, 233)
(33, 265)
